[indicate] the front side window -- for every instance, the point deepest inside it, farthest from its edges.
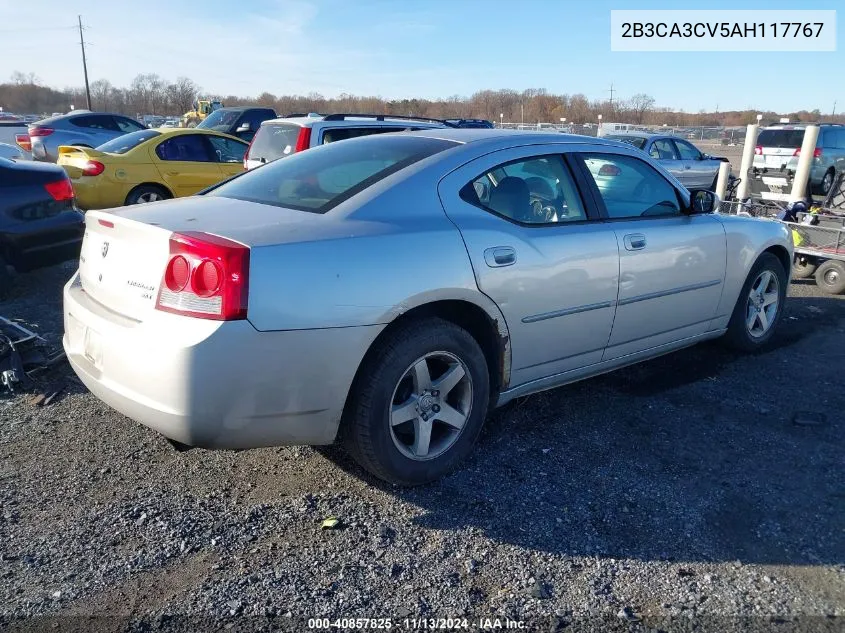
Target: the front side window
(687, 151)
(631, 188)
(538, 190)
(184, 147)
(227, 150)
(663, 149)
(321, 178)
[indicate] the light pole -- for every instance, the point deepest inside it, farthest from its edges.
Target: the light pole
(598, 129)
(501, 119)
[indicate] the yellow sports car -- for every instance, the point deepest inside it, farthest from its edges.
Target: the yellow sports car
(150, 165)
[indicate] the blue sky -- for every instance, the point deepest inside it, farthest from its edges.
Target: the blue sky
(405, 48)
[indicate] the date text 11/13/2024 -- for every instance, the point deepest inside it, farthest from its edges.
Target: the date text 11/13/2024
(416, 624)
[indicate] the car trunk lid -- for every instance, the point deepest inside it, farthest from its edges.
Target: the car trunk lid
(75, 159)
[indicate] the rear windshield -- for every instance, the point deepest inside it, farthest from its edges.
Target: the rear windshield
(220, 120)
(273, 141)
(123, 144)
(781, 138)
(323, 177)
(636, 141)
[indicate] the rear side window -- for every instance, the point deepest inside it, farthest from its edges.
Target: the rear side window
(95, 122)
(636, 141)
(343, 133)
(127, 125)
(781, 138)
(274, 141)
(322, 178)
(185, 147)
(123, 144)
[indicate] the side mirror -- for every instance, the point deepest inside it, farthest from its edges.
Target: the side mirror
(243, 127)
(702, 201)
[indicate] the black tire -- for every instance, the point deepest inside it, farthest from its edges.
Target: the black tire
(827, 182)
(802, 268)
(830, 277)
(5, 278)
(366, 431)
(738, 336)
(138, 193)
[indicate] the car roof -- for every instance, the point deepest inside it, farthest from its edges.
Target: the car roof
(242, 108)
(352, 120)
(479, 135)
(180, 131)
(645, 135)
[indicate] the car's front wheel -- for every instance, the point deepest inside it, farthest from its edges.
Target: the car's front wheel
(759, 306)
(419, 403)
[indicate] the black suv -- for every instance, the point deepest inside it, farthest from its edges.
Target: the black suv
(242, 121)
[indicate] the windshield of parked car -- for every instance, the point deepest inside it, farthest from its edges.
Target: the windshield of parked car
(220, 120)
(123, 144)
(781, 138)
(636, 141)
(319, 179)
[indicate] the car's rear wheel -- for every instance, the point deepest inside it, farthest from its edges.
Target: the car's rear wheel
(827, 182)
(419, 403)
(802, 268)
(830, 277)
(147, 193)
(759, 306)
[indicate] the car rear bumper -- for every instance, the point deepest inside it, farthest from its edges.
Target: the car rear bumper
(214, 384)
(93, 192)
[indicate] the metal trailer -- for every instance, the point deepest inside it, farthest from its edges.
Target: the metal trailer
(820, 250)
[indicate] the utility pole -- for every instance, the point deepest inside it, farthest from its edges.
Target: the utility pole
(611, 98)
(834, 109)
(84, 64)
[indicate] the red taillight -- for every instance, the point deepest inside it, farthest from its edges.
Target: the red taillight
(24, 142)
(246, 153)
(303, 141)
(60, 190)
(609, 170)
(106, 223)
(40, 131)
(207, 277)
(817, 153)
(93, 168)
(758, 150)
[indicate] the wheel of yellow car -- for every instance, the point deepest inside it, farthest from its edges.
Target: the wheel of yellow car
(147, 193)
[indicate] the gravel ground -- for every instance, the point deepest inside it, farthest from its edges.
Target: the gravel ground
(690, 490)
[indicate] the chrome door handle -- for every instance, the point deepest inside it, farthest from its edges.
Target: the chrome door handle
(500, 256)
(635, 241)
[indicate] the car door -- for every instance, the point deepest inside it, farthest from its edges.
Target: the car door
(671, 265)
(538, 252)
(699, 172)
(186, 163)
(663, 150)
(229, 154)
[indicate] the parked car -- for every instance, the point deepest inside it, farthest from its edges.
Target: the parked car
(85, 129)
(39, 222)
(242, 122)
(471, 123)
(151, 165)
(384, 290)
(682, 159)
(779, 147)
(282, 137)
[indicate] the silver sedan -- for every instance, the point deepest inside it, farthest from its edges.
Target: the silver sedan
(385, 292)
(692, 167)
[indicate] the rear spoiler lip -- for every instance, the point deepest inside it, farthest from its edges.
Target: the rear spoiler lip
(72, 149)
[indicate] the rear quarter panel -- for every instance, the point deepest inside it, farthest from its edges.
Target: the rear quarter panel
(747, 239)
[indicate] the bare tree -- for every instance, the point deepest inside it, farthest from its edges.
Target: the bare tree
(640, 105)
(181, 95)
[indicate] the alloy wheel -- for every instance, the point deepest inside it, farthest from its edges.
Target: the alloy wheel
(763, 303)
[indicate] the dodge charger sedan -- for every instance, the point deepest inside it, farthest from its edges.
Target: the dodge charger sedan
(385, 292)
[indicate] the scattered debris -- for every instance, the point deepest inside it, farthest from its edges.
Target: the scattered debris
(627, 613)
(22, 355)
(330, 523)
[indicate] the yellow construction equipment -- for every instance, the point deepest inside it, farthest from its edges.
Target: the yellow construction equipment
(202, 108)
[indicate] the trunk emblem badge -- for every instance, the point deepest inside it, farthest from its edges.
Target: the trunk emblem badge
(105, 249)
